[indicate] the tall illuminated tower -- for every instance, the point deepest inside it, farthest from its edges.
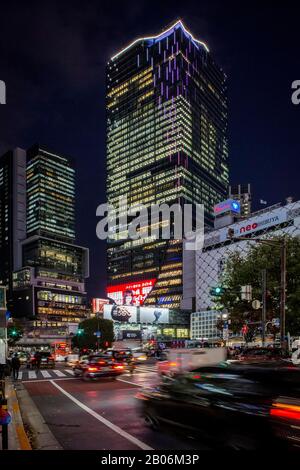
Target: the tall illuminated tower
(166, 142)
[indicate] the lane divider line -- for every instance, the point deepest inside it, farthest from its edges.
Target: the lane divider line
(104, 421)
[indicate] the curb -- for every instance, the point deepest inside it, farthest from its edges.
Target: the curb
(41, 436)
(17, 437)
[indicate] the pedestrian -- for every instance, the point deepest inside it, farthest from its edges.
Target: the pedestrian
(38, 360)
(15, 364)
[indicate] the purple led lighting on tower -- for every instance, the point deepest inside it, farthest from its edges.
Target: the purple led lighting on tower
(166, 102)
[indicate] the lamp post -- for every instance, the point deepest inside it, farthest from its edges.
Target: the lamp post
(282, 245)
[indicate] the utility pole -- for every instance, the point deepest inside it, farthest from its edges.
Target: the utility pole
(264, 306)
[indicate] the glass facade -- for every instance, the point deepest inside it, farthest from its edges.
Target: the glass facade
(50, 194)
(166, 143)
(6, 219)
(52, 256)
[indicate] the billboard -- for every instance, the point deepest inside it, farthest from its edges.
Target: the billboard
(154, 315)
(230, 205)
(120, 313)
(98, 305)
(132, 293)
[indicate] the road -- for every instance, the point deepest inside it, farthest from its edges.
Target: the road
(98, 415)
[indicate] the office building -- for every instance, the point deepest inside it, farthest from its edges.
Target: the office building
(166, 143)
(241, 193)
(50, 194)
(12, 215)
(40, 264)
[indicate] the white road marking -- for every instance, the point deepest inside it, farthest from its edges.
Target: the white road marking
(20, 375)
(49, 380)
(59, 373)
(45, 373)
(32, 374)
(104, 421)
(133, 383)
(144, 369)
(70, 371)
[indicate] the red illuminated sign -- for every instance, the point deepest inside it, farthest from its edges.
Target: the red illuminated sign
(133, 293)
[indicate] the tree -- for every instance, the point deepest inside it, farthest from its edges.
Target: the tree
(14, 333)
(247, 270)
(86, 338)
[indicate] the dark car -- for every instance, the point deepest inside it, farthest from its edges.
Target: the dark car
(262, 354)
(238, 405)
(124, 357)
(42, 359)
(98, 366)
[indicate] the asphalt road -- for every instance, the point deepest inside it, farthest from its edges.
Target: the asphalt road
(98, 415)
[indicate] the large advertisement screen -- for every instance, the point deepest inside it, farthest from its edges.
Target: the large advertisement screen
(120, 313)
(133, 293)
(154, 315)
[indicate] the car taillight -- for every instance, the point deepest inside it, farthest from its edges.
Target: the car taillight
(286, 411)
(92, 369)
(173, 364)
(118, 367)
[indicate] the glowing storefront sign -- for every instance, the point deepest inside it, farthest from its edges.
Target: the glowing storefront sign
(230, 205)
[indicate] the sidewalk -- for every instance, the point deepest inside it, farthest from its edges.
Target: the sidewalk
(17, 438)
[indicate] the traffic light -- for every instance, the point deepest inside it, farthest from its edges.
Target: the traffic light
(14, 332)
(217, 291)
(80, 331)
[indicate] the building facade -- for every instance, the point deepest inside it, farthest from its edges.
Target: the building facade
(42, 267)
(241, 193)
(12, 215)
(166, 143)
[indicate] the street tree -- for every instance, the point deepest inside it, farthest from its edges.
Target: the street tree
(86, 335)
(241, 270)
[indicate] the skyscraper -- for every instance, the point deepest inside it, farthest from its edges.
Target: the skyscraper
(50, 194)
(49, 282)
(12, 214)
(166, 143)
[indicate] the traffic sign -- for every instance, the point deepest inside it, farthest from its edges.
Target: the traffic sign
(256, 304)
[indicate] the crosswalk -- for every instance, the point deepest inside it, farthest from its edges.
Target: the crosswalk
(49, 374)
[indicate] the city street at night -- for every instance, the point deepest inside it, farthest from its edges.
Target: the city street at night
(98, 415)
(149, 232)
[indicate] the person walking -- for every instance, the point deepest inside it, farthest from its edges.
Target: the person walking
(15, 364)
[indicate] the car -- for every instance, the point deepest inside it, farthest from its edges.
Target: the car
(238, 405)
(72, 359)
(41, 359)
(123, 356)
(98, 366)
(262, 354)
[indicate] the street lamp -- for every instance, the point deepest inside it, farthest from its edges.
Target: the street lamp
(282, 244)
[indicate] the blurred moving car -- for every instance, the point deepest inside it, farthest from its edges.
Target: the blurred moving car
(180, 360)
(123, 356)
(239, 405)
(71, 359)
(41, 359)
(139, 355)
(262, 354)
(98, 366)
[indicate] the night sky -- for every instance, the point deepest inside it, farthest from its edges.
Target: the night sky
(53, 56)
